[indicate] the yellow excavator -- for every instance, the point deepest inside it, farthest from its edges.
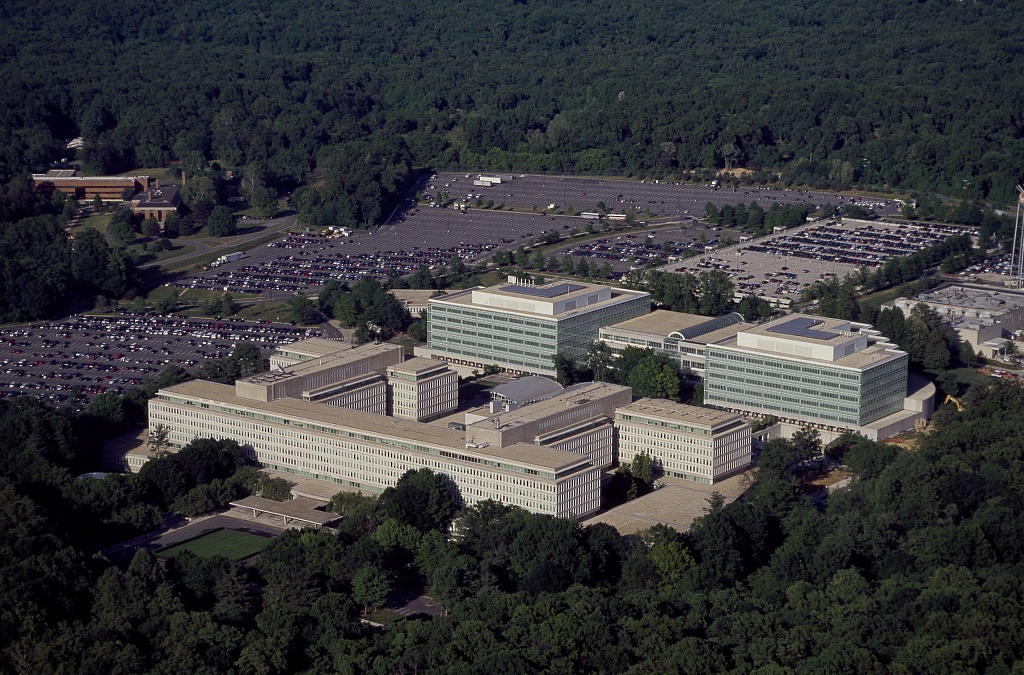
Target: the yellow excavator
(949, 399)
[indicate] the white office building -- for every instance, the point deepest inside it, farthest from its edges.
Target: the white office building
(368, 452)
(684, 441)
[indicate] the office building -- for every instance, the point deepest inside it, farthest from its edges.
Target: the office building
(577, 419)
(368, 452)
(824, 372)
(306, 350)
(157, 202)
(109, 188)
(684, 441)
(520, 327)
(681, 337)
(422, 389)
(327, 372)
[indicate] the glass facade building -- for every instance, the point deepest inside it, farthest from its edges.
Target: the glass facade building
(827, 372)
(520, 328)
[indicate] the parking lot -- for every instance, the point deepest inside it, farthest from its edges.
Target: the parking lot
(89, 355)
(419, 234)
(778, 267)
(663, 199)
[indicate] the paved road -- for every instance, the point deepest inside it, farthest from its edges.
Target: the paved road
(204, 245)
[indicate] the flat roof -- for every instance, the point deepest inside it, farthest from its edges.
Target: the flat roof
(82, 179)
(418, 364)
(877, 350)
(670, 411)
(300, 508)
(368, 423)
(544, 291)
(535, 455)
(524, 389)
(559, 291)
(412, 294)
(314, 347)
(996, 301)
(163, 194)
(465, 298)
(805, 327)
(579, 394)
(660, 322)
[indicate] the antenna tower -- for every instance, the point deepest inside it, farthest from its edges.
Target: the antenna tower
(1017, 255)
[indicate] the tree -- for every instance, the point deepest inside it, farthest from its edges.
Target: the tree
(370, 587)
(199, 190)
(361, 335)
(121, 231)
(566, 372)
(968, 355)
(599, 359)
(151, 228)
(221, 223)
(807, 442)
(651, 375)
(422, 498)
(158, 440)
(303, 310)
(716, 291)
(642, 468)
(418, 330)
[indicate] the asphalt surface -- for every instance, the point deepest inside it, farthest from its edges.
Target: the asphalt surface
(88, 355)
(664, 199)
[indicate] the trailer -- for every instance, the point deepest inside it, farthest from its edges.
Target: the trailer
(229, 257)
(492, 180)
(482, 183)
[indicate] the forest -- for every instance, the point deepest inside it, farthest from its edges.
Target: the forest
(346, 99)
(916, 567)
(338, 106)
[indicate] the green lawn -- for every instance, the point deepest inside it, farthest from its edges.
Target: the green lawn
(383, 616)
(230, 544)
(95, 221)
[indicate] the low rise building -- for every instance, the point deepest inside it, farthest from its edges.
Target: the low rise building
(413, 300)
(350, 378)
(681, 337)
(422, 389)
(985, 317)
(157, 202)
(306, 350)
(684, 441)
(108, 188)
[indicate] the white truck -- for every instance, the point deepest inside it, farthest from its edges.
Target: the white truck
(230, 257)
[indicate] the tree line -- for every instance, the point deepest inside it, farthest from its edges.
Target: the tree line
(912, 567)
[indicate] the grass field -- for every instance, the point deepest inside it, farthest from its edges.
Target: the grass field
(230, 544)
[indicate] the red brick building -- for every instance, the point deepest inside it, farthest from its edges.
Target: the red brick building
(109, 188)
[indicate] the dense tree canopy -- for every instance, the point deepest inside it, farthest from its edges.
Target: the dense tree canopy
(346, 99)
(915, 567)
